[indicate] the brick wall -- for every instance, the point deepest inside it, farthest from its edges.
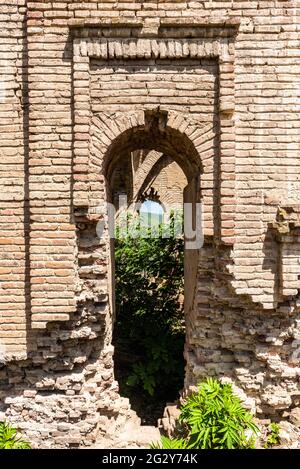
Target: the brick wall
(227, 74)
(14, 198)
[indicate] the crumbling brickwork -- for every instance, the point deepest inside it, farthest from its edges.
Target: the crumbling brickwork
(213, 85)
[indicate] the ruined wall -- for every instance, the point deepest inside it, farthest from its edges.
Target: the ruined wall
(56, 318)
(13, 148)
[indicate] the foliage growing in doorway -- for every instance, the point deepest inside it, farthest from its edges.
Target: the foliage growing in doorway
(149, 330)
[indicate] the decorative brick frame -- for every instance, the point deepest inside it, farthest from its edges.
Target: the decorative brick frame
(220, 48)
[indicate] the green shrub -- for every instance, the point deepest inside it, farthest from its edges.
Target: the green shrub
(273, 435)
(10, 438)
(214, 418)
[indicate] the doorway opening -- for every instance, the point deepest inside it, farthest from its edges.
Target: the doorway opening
(149, 331)
(149, 266)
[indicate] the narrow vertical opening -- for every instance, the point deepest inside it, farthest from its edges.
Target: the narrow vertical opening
(147, 186)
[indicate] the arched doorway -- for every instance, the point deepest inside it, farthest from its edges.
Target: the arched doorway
(129, 154)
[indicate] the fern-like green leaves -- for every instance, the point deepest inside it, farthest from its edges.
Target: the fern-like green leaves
(213, 418)
(10, 439)
(170, 443)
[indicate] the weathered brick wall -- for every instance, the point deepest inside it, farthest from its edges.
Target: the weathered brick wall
(14, 207)
(55, 273)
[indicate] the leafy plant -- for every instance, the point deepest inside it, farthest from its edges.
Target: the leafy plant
(214, 418)
(10, 439)
(149, 330)
(273, 435)
(170, 443)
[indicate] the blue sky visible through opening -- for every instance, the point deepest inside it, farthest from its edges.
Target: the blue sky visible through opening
(152, 212)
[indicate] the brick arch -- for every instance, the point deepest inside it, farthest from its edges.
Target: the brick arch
(133, 131)
(189, 143)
